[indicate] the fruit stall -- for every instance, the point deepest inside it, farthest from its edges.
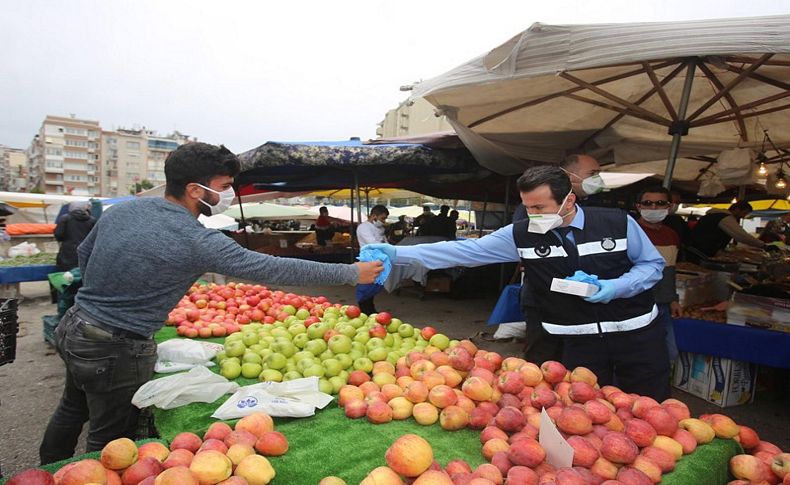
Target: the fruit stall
(403, 405)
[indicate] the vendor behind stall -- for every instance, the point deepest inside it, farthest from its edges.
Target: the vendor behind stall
(717, 228)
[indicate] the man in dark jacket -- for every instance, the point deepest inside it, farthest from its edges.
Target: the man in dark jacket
(70, 231)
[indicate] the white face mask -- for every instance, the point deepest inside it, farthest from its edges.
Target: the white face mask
(378, 223)
(543, 223)
(654, 216)
(593, 185)
(225, 200)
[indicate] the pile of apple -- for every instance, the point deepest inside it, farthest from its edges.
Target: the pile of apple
(217, 310)
(224, 456)
(626, 438)
(342, 341)
(763, 463)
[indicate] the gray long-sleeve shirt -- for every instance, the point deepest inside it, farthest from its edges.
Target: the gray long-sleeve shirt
(143, 255)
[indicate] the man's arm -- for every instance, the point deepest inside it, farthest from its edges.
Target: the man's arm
(648, 263)
(730, 226)
(498, 247)
(85, 249)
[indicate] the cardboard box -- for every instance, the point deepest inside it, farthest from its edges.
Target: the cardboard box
(438, 284)
(723, 382)
(694, 287)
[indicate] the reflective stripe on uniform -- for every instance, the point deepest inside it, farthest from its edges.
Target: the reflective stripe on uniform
(599, 247)
(606, 327)
(531, 253)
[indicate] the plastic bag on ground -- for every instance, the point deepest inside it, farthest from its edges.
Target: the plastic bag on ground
(23, 249)
(511, 330)
(197, 385)
(298, 398)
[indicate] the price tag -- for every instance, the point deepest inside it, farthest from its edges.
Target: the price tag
(558, 452)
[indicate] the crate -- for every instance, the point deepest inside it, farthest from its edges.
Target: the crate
(9, 326)
(723, 382)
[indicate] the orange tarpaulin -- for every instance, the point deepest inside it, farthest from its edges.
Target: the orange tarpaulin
(26, 229)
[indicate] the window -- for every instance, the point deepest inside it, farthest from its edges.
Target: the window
(75, 178)
(77, 143)
(133, 145)
(76, 131)
(71, 154)
(54, 164)
(55, 151)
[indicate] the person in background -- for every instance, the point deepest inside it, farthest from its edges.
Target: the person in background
(70, 231)
(441, 225)
(399, 230)
(324, 229)
(138, 261)
(653, 207)
(773, 232)
(673, 220)
(717, 228)
(372, 231)
(613, 332)
(422, 219)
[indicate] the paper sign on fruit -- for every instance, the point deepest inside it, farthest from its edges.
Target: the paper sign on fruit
(558, 452)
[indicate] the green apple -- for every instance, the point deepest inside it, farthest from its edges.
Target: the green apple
(235, 348)
(377, 354)
(326, 354)
(389, 340)
(300, 340)
(356, 322)
(392, 357)
(296, 329)
(453, 343)
(315, 346)
(440, 341)
(395, 323)
(325, 386)
(340, 344)
(363, 364)
(281, 332)
(251, 356)
(265, 353)
(346, 329)
(230, 370)
(362, 336)
(405, 330)
(314, 370)
(355, 354)
(305, 363)
(289, 309)
(249, 338)
(317, 330)
(291, 375)
(221, 355)
(290, 366)
(256, 348)
(275, 361)
(397, 341)
(332, 367)
(270, 375)
(374, 342)
(302, 313)
(251, 370)
(283, 346)
(337, 382)
(302, 354)
(345, 360)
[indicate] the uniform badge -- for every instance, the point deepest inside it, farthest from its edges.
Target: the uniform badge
(608, 244)
(543, 250)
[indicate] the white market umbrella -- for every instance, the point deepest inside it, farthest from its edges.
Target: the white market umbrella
(630, 92)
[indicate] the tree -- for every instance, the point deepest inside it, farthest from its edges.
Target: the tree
(140, 186)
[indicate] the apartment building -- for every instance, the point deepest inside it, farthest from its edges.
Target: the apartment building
(63, 157)
(13, 169)
(412, 117)
(132, 156)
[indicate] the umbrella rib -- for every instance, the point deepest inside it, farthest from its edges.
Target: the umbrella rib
(728, 97)
(749, 60)
(549, 97)
(658, 88)
(656, 118)
(641, 100)
(760, 77)
(618, 109)
(738, 79)
(725, 115)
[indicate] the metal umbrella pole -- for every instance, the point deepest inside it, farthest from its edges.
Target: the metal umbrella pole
(680, 128)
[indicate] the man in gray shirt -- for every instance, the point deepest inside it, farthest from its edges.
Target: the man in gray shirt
(137, 262)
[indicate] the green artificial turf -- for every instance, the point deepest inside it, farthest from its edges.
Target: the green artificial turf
(707, 465)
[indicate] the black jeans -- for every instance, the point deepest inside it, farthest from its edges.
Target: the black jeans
(638, 359)
(104, 368)
(367, 307)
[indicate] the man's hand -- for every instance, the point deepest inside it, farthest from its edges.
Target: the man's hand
(369, 271)
(675, 309)
(385, 248)
(605, 293)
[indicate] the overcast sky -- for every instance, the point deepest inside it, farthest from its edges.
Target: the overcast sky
(243, 73)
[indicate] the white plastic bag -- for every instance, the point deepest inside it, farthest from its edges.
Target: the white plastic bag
(23, 249)
(511, 330)
(197, 385)
(298, 398)
(710, 185)
(168, 367)
(186, 351)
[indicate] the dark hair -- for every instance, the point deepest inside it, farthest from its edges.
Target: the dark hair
(379, 209)
(444, 209)
(323, 209)
(551, 175)
(656, 189)
(197, 163)
(569, 162)
(741, 206)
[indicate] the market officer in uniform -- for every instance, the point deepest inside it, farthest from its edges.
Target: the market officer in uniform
(541, 346)
(140, 258)
(613, 332)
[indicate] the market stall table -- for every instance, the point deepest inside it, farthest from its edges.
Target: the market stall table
(331, 444)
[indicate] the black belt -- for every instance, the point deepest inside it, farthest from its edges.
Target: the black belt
(89, 320)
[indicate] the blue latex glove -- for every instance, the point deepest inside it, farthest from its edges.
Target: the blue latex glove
(369, 253)
(385, 248)
(584, 278)
(605, 294)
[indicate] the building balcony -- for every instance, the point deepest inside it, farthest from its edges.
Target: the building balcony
(53, 182)
(53, 170)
